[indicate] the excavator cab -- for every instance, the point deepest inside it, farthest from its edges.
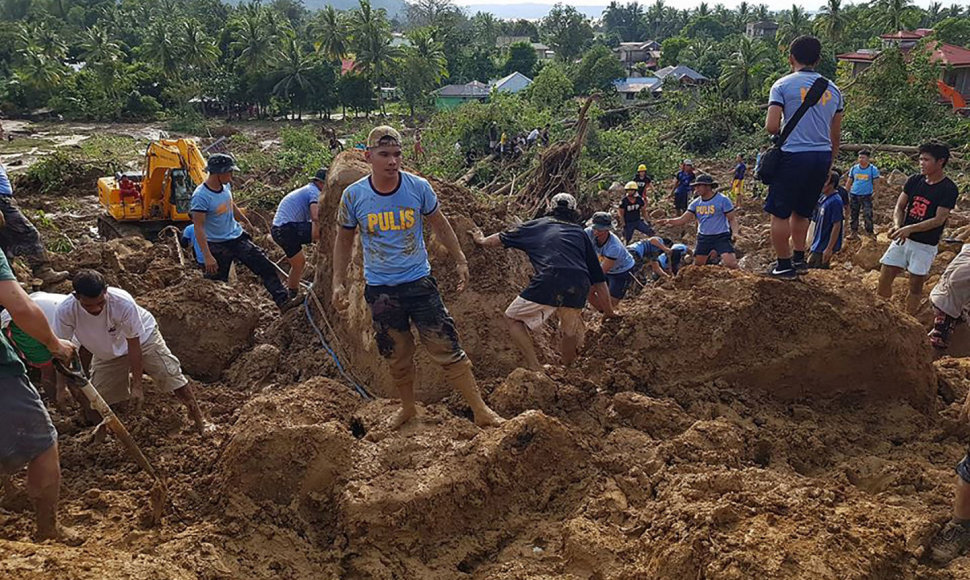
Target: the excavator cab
(143, 203)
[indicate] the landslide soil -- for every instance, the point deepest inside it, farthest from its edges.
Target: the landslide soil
(727, 426)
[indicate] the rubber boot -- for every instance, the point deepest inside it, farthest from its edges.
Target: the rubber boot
(48, 275)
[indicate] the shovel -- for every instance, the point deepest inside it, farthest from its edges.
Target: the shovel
(77, 378)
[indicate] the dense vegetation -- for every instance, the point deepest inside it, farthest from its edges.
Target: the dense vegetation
(180, 59)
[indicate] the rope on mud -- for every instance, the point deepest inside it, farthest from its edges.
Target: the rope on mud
(340, 367)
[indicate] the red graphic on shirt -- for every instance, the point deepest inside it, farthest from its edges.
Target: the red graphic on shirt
(919, 208)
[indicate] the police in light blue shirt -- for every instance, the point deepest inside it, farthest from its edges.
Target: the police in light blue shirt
(295, 206)
(813, 131)
(188, 237)
(611, 248)
(712, 214)
(391, 227)
(220, 221)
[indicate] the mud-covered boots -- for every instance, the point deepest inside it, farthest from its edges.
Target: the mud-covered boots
(950, 543)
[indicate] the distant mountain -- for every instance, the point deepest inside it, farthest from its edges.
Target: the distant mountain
(528, 11)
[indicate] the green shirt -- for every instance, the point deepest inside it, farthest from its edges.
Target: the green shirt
(10, 364)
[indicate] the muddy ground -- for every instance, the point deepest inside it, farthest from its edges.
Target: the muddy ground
(727, 426)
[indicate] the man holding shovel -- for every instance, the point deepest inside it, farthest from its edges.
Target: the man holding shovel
(122, 338)
(27, 436)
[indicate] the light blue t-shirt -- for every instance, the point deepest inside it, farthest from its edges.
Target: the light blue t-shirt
(5, 187)
(295, 205)
(678, 249)
(863, 180)
(189, 234)
(614, 250)
(391, 228)
(812, 132)
(220, 223)
(711, 214)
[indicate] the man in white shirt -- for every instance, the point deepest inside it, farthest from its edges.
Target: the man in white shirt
(121, 337)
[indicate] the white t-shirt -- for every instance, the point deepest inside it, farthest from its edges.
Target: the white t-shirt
(534, 135)
(45, 300)
(105, 335)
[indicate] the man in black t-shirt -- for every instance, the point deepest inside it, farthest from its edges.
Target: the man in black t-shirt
(921, 213)
(566, 272)
(633, 213)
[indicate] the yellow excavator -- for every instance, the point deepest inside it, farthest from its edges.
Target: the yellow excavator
(144, 203)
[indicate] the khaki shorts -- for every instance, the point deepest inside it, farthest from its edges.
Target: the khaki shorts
(111, 377)
(952, 293)
(533, 315)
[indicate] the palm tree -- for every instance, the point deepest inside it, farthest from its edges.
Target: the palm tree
(894, 15)
(429, 51)
(99, 50)
(293, 68)
(933, 14)
(761, 13)
(252, 40)
(332, 34)
(38, 70)
(202, 52)
(955, 11)
(703, 9)
(796, 24)
(831, 21)
(744, 68)
(743, 14)
(161, 48)
(372, 43)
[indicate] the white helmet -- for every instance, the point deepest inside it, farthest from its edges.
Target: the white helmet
(564, 199)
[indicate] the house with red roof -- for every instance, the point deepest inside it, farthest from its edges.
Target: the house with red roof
(955, 59)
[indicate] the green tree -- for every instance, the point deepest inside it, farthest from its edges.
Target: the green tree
(161, 49)
(521, 58)
(597, 70)
(705, 26)
(831, 21)
(746, 68)
(551, 87)
(356, 92)
(372, 43)
(201, 51)
(628, 21)
(794, 24)
(670, 50)
(293, 69)
(567, 31)
(954, 31)
(894, 15)
(253, 40)
(100, 52)
(331, 31)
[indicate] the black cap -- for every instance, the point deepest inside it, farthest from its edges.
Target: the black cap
(704, 180)
(221, 163)
(602, 221)
(321, 174)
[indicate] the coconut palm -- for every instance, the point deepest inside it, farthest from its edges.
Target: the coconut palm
(831, 21)
(742, 14)
(38, 70)
(894, 15)
(372, 43)
(331, 32)
(201, 51)
(761, 13)
(293, 68)
(99, 50)
(430, 51)
(161, 47)
(703, 9)
(795, 24)
(744, 69)
(253, 41)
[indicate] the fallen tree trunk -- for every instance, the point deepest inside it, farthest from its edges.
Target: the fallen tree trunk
(464, 179)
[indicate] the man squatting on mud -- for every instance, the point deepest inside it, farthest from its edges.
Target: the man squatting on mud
(389, 208)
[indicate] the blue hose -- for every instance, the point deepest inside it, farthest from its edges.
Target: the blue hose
(309, 316)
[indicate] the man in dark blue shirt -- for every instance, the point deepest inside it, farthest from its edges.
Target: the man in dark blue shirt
(566, 272)
(828, 225)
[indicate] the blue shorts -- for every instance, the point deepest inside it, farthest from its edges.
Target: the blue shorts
(26, 430)
(620, 283)
(720, 243)
(800, 179)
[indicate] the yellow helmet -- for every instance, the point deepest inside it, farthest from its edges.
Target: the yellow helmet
(642, 167)
(630, 185)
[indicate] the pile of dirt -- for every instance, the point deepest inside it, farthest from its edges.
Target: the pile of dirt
(496, 277)
(791, 339)
(206, 324)
(133, 264)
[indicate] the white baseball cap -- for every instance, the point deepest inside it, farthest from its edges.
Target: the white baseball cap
(565, 199)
